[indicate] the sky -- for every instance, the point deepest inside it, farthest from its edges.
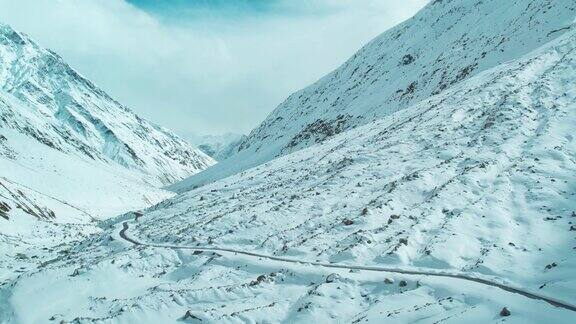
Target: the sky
(203, 67)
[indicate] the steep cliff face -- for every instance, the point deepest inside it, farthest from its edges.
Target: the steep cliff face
(446, 43)
(45, 99)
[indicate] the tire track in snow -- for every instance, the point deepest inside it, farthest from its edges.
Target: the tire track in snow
(431, 273)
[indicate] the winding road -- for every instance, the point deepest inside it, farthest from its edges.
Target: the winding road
(433, 273)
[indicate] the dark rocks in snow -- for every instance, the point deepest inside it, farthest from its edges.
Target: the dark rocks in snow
(4, 209)
(365, 211)
(408, 59)
(504, 312)
(259, 280)
(403, 241)
(550, 266)
(572, 228)
(403, 283)
(410, 88)
(388, 281)
(332, 277)
(190, 317)
(347, 222)
(304, 307)
(319, 130)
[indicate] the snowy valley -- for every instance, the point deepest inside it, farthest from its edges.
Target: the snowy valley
(219, 147)
(430, 179)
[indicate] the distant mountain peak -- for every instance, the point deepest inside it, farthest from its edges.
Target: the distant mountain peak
(219, 147)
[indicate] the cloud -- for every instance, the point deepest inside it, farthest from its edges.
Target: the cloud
(204, 67)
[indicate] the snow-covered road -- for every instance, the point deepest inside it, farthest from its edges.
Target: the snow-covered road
(424, 272)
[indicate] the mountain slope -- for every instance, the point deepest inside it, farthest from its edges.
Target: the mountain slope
(479, 178)
(63, 110)
(71, 156)
(447, 42)
(459, 176)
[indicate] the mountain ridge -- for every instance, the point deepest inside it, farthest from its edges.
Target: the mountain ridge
(445, 43)
(79, 117)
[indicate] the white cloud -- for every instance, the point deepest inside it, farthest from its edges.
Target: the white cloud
(206, 75)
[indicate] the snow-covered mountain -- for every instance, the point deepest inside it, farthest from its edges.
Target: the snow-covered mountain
(446, 43)
(70, 155)
(476, 180)
(220, 147)
(43, 98)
